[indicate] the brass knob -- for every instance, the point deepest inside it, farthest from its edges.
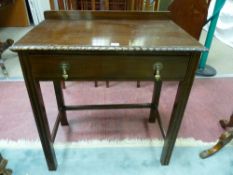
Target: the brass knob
(65, 68)
(158, 67)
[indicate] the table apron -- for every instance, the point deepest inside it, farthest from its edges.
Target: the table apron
(49, 67)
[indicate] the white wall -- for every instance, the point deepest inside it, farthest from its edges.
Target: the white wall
(45, 5)
(37, 9)
(224, 28)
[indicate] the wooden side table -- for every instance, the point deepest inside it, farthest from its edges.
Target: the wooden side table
(150, 46)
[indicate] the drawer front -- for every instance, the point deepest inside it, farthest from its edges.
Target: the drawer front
(108, 67)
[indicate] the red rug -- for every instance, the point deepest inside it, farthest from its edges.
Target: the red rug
(210, 100)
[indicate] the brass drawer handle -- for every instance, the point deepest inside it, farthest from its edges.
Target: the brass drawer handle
(65, 67)
(158, 67)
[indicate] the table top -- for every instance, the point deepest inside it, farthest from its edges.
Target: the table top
(105, 33)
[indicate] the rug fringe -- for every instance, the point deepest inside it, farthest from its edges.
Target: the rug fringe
(181, 142)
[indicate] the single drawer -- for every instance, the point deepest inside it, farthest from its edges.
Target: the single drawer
(103, 67)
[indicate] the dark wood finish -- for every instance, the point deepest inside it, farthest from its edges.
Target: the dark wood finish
(107, 84)
(63, 85)
(102, 5)
(107, 15)
(37, 103)
(61, 5)
(60, 102)
(96, 83)
(55, 128)
(120, 5)
(224, 123)
(181, 99)
(107, 67)
(106, 106)
(52, 5)
(154, 113)
(223, 140)
(155, 100)
(156, 5)
(106, 5)
(77, 46)
(138, 84)
(190, 15)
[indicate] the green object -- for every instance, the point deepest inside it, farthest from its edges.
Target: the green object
(163, 5)
(214, 19)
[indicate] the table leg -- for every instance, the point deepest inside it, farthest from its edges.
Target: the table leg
(154, 112)
(60, 102)
(175, 122)
(107, 83)
(37, 103)
(40, 116)
(155, 101)
(96, 83)
(138, 84)
(181, 100)
(63, 84)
